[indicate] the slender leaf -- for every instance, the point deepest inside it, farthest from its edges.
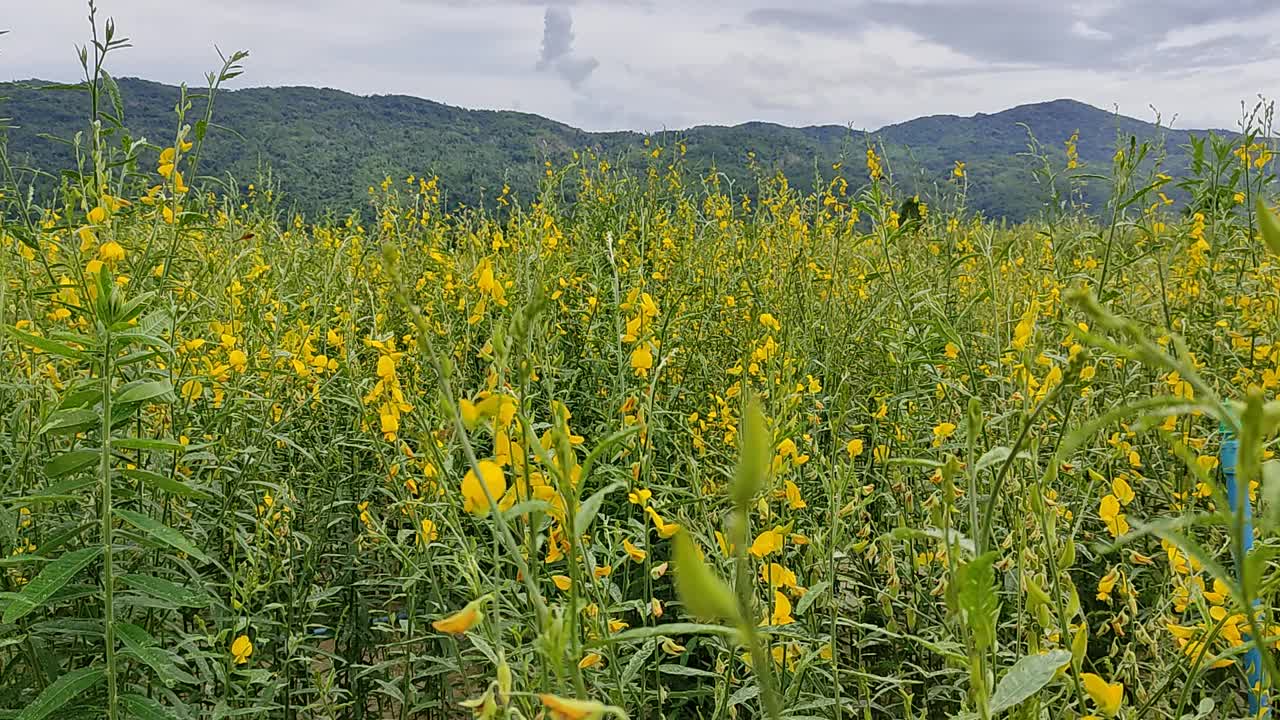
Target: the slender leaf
(35, 593)
(72, 461)
(61, 692)
(163, 533)
(588, 509)
(44, 344)
(144, 390)
(1026, 678)
(167, 484)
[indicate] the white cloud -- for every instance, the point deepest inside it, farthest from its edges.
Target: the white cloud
(609, 64)
(1089, 32)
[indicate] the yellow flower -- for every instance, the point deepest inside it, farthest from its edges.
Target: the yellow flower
(1107, 696)
(463, 620)
(603, 571)
(241, 649)
(777, 576)
(664, 528)
(635, 553)
(1121, 489)
(726, 547)
(1219, 594)
(110, 252)
(781, 610)
(854, 448)
(671, 647)
(874, 169)
(941, 432)
(767, 543)
(562, 581)
(164, 166)
(428, 532)
(473, 495)
(1109, 511)
(793, 496)
(641, 361)
(98, 215)
(561, 708)
(238, 360)
(1107, 584)
(590, 660)
(952, 351)
(1026, 326)
(769, 321)
(640, 497)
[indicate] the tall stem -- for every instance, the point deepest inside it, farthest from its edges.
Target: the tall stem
(108, 580)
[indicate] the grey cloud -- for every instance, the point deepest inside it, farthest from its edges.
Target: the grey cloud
(557, 36)
(1120, 34)
(611, 64)
(557, 48)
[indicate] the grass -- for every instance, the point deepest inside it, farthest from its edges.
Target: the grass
(677, 449)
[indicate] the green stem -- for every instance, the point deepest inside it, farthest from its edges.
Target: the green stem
(108, 580)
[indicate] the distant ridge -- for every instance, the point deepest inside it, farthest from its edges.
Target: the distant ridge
(327, 146)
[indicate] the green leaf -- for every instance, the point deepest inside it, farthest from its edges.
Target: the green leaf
(162, 589)
(45, 344)
(82, 396)
(73, 461)
(61, 692)
(1026, 678)
(141, 645)
(145, 708)
(701, 591)
(976, 598)
(637, 662)
(687, 671)
(756, 448)
(525, 507)
(588, 509)
(744, 693)
(167, 484)
(644, 633)
(148, 444)
(162, 532)
(809, 597)
(70, 421)
(144, 390)
(955, 537)
(997, 455)
(50, 580)
(1269, 225)
(141, 338)
(58, 492)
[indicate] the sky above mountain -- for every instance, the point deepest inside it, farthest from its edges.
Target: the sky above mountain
(650, 64)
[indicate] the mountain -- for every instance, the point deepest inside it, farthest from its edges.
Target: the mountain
(326, 147)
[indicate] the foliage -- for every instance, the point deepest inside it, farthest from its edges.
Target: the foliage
(324, 147)
(669, 450)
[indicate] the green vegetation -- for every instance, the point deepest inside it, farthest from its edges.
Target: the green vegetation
(326, 147)
(671, 450)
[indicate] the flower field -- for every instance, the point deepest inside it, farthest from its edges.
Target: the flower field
(647, 444)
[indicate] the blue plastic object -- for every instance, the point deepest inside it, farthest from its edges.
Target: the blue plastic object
(1239, 500)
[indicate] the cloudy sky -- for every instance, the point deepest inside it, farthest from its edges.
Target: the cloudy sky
(652, 64)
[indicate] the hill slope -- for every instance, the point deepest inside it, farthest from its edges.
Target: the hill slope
(326, 146)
